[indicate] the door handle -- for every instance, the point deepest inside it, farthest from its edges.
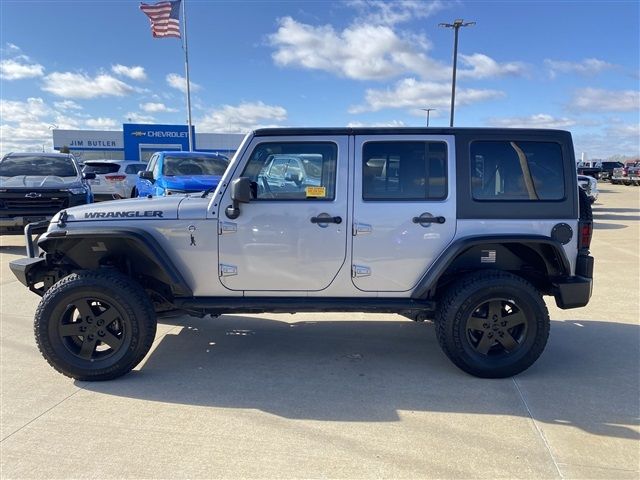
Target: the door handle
(327, 219)
(424, 219)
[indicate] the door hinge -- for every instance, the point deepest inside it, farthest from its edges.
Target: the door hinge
(360, 271)
(227, 227)
(227, 270)
(362, 229)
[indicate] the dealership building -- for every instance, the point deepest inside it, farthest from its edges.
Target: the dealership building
(140, 141)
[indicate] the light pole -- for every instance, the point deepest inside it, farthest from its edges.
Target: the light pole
(456, 26)
(428, 110)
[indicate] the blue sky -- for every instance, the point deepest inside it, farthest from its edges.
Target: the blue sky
(94, 65)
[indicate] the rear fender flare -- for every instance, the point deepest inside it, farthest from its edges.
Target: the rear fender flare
(551, 252)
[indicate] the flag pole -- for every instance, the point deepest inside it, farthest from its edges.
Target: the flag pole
(186, 68)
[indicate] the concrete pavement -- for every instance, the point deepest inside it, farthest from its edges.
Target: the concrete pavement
(337, 395)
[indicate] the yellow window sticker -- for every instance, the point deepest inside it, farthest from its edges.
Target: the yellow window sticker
(317, 192)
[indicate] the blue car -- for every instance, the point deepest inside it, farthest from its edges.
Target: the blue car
(170, 173)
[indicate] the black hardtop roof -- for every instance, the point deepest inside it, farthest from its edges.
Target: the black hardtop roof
(296, 131)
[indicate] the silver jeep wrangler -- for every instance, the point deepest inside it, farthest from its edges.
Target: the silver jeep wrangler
(465, 227)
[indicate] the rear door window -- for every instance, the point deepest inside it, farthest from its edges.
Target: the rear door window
(402, 170)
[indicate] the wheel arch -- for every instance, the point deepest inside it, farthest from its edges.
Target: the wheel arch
(536, 258)
(132, 251)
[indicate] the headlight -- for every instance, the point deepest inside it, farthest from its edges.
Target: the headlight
(78, 190)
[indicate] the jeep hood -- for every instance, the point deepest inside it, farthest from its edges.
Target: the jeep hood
(192, 182)
(134, 210)
(37, 181)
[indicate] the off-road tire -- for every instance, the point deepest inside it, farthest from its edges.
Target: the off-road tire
(465, 297)
(99, 291)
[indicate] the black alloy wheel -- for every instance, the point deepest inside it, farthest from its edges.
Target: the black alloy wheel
(496, 327)
(94, 329)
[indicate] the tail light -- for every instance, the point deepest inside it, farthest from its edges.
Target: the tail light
(585, 234)
(115, 178)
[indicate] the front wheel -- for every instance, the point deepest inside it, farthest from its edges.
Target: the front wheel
(492, 324)
(95, 325)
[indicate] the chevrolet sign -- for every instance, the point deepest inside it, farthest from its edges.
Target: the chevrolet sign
(33, 195)
(138, 133)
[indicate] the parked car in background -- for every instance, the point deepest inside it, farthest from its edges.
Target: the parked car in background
(607, 169)
(114, 178)
(36, 186)
(170, 173)
(589, 170)
(627, 174)
(590, 187)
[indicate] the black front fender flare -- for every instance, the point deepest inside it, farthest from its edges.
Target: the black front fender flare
(88, 249)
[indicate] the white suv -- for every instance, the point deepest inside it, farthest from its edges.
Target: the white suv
(114, 178)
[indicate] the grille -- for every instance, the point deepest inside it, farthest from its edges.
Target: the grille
(19, 203)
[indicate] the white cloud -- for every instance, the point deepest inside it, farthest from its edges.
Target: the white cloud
(414, 94)
(135, 73)
(391, 123)
(242, 118)
(617, 139)
(373, 52)
(540, 120)
(102, 123)
(16, 111)
(12, 47)
(11, 69)
(588, 66)
(600, 100)
(156, 107)
(391, 13)
(80, 85)
(362, 52)
(483, 66)
(179, 83)
(135, 117)
(67, 105)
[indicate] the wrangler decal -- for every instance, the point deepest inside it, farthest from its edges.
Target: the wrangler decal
(125, 214)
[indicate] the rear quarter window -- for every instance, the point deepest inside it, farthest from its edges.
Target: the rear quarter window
(516, 171)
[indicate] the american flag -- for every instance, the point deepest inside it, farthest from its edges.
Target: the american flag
(164, 18)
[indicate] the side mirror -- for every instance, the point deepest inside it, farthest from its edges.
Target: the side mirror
(146, 175)
(89, 175)
(240, 193)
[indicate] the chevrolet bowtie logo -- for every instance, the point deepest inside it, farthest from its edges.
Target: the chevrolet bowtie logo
(33, 195)
(138, 133)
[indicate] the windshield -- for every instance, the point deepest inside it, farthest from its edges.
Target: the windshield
(194, 165)
(37, 166)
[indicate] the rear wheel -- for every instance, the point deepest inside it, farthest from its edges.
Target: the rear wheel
(492, 324)
(95, 325)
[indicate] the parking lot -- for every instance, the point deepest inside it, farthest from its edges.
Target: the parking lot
(338, 395)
